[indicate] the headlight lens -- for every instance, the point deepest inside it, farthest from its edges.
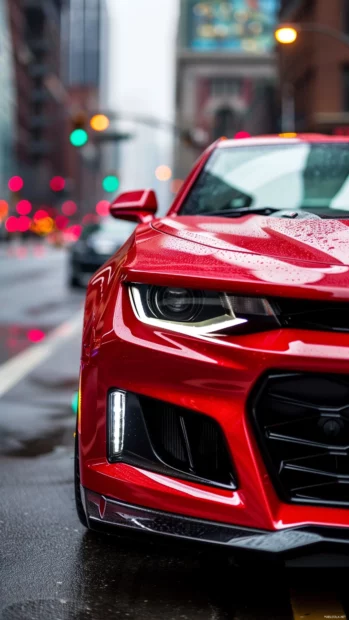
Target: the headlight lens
(201, 312)
(174, 304)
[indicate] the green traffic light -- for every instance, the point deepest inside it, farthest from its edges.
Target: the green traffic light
(78, 137)
(111, 183)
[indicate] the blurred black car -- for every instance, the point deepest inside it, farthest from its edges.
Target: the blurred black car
(97, 243)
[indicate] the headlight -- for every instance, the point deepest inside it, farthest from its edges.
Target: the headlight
(201, 312)
(174, 304)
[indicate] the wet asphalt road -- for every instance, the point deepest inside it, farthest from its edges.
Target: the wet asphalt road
(50, 567)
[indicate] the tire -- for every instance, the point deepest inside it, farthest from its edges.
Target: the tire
(74, 281)
(78, 501)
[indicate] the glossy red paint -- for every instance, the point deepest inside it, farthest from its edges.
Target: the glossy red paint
(252, 254)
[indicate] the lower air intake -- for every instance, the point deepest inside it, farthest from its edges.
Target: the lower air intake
(187, 441)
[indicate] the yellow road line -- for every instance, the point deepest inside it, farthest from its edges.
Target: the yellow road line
(316, 605)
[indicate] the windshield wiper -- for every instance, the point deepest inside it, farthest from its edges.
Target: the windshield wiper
(298, 214)
(243, 211)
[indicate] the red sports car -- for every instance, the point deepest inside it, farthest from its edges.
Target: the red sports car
(214, 386)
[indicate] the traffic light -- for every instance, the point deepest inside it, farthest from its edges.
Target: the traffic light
(79, 135)
(111, 183)
(99, 122)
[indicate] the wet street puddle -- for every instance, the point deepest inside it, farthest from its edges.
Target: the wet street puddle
(16, 338)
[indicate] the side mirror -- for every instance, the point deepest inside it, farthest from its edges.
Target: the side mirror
(139, 206)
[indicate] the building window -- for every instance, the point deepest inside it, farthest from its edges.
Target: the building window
(85, 42)
(345, 82)
(222, 86)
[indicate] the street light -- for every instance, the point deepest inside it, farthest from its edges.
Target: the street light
(286, 35)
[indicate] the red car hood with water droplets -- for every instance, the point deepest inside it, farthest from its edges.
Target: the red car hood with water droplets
(317, 241)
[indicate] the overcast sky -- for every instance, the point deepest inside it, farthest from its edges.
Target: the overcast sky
(142, 75)
(142, 54)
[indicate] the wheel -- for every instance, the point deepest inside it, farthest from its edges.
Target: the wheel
(74, 281)
(78, 501)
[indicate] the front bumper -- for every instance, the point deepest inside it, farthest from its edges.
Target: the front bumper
(211, 377)
(103, 511)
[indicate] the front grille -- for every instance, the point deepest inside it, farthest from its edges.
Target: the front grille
(187, 441)
(315, 315)
(302, 422)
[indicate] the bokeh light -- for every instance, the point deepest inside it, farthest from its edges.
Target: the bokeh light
(61, 222)
(90, 218)
(3, 209)
(69, 207)
(241, 135)
(42, 225)
(11, 224)
(100, 122)
(41, 214)
(23, 223)
(111, 183)
(286, 35)
(79, 137)
(163, 173)
(288, 134)
(15, 184)
(176, 185)
(36, 335)
(75, 403)
(75, 230)
(102, 208)
(23, 207)
(57, 184)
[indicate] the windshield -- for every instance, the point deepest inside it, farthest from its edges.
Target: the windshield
(313, 177)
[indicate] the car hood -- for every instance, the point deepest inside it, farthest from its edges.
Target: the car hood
(320, 241)
(254, 254)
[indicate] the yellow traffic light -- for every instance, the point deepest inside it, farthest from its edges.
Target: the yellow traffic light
(99, 122)
(286, 35)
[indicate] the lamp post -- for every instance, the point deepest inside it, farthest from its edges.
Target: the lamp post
(287, 34)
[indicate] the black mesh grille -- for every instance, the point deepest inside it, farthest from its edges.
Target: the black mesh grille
(189, 442)
(303, 426)
(316, 315)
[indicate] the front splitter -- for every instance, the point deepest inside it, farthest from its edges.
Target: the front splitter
(102, 510)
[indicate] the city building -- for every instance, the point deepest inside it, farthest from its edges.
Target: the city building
(315, 69)
(40, 97)
(7, 104)
(85, 60)
(226, 71)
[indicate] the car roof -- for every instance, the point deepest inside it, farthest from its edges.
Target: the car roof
(290, 138)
